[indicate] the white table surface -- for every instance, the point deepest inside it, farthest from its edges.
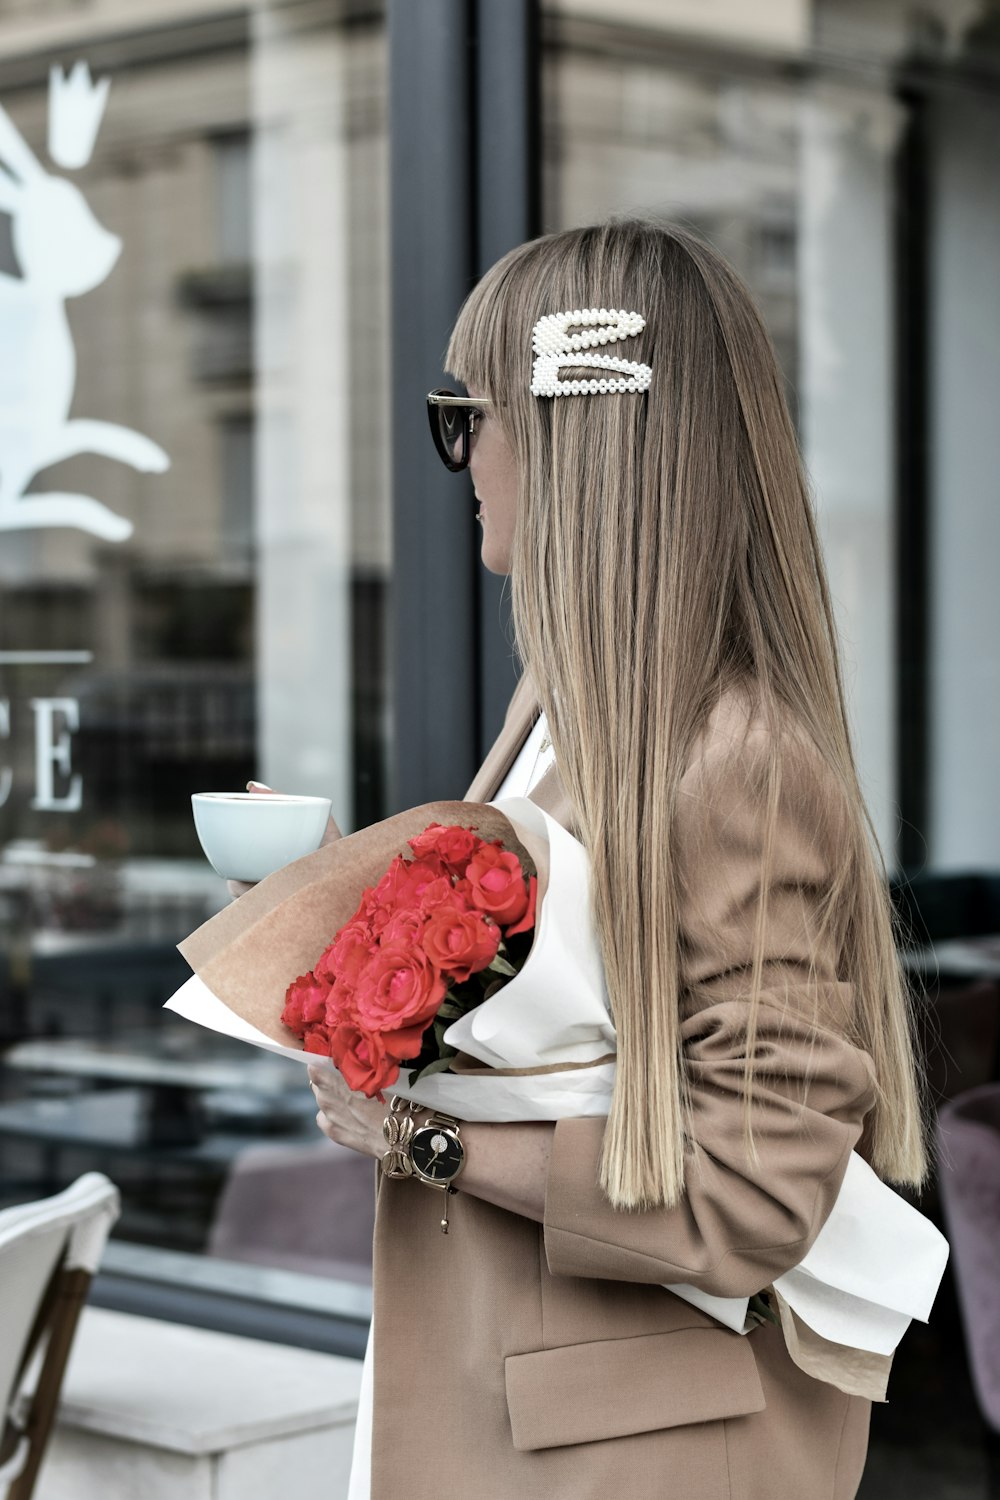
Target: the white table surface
(129, 1064)
(978, 957)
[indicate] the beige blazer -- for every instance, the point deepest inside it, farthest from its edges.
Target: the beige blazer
(523, 1361)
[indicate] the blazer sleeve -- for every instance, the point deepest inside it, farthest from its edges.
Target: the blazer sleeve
(739, 1224)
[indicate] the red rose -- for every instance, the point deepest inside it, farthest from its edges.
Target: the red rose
(305, 1002)
(347, 954)
(528, 920)
(367, 908)
(454, 845)
(361, 1057)
(497, 882)
(383, 900)
(405, 1043)
(441, 893)
(318, 1040)
(405, 879)
(404, 926)
(339, 1004)
(422, 875)
(399, 987)
(460, 942)
(384, 894)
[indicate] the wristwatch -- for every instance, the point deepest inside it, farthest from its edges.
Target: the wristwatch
(432, 1152)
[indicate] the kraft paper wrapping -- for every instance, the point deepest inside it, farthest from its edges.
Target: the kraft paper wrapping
(859, 1372)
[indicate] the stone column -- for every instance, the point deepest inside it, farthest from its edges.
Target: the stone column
(964, 539)
(302, 359)
(848, 138)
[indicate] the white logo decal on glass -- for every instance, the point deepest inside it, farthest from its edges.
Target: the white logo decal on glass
(62, 251)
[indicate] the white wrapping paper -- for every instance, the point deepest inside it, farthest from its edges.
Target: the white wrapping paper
(876, 1263)
(545, 1096)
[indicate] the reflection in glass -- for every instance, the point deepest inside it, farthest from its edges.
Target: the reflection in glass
(232, 626)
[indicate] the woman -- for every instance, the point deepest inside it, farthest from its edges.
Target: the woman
(672, 614)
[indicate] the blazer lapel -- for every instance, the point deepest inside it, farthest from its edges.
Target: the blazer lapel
(522, 711)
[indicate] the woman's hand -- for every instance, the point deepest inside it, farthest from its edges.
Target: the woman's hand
(240, 887)
(505, 1164)
(345, 1116)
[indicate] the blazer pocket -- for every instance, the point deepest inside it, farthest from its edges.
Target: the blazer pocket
(583, 1392)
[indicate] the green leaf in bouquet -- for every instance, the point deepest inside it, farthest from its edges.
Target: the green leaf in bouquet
(439, 1065)
(451, 1010)
(440, 1027)
(493, 986)
(501, 966)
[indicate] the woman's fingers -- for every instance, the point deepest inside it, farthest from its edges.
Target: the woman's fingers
(327, 1082)
(346, 1117)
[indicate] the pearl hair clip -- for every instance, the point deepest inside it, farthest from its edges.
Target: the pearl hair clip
(556, 349)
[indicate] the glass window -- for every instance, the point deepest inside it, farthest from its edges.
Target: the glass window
(840, 158)
(193, 578)
(791, 178)
(964, 446)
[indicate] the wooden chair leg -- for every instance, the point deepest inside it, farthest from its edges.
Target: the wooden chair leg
(71, 1292)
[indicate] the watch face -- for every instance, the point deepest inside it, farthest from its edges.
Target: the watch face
(436, 1152)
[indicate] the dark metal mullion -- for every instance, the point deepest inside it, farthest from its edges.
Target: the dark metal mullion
(507, 212)
(912, 484)
(434, 748)
(250, 1317)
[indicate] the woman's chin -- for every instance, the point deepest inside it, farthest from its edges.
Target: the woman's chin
(494, 559)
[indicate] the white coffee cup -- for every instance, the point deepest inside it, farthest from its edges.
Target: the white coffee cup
(248, 835)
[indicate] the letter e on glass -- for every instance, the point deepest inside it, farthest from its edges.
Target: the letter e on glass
(54, 753)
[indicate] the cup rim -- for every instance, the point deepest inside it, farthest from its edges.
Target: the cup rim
(259, 799)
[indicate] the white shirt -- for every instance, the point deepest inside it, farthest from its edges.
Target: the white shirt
(530, 766)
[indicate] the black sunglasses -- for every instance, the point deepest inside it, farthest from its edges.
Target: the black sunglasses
(453, 425)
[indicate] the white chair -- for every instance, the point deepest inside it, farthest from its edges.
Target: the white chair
(49, 1252)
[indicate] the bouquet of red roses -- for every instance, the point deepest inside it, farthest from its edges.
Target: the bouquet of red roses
(438, 935)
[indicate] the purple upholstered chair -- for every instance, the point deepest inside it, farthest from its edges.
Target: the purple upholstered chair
(968, 1146)
(304, 1207)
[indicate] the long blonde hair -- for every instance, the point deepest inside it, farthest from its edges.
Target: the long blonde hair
(664, 550)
